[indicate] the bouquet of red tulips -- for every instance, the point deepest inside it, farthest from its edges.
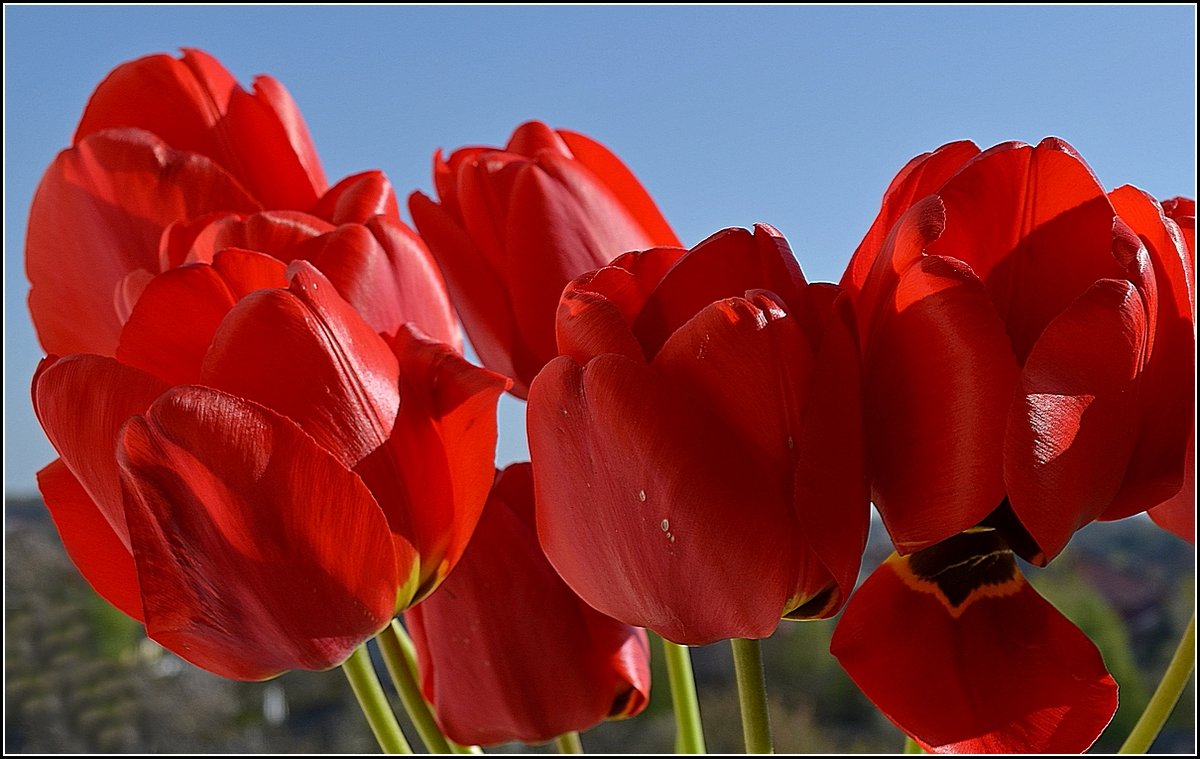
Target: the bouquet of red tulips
(272, 447)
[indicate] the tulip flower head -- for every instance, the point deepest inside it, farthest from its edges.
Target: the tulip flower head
(697, 446)
(514, 225)
(263, 455)
(1028, 343)
(173, 161)
(507, 652)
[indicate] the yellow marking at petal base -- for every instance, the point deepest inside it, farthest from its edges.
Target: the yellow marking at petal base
(406, 594)
(1012, 586)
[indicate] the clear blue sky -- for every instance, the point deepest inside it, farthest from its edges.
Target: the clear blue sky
(796, 116)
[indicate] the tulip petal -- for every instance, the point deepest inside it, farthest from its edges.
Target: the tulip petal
(922, 176)
(961, 653)
(483, 186)
(534, 138)
(663, 546)
(195, 105)
(748, 363)
(1183, 212)
(1035, 225)
(725, 265)
(257, 551)
(621, 182)
(385, 272)
(359, 198)
(305, 353)
(94, 547)
(173, 323)
(597, 311)
(477, 290)
(1156, 468)
(507, 651)
(1178, 514)
(560, 224)
(831, 493)
(433, 474)
(279, 234)
(81, 402)
(119, 189)
(1073, 422)
(276, 110)
(939, 377)
(245, 271)
(179, 100)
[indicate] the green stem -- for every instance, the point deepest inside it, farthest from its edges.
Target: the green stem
(397, 655)
(911, 746)
(371, 699)
(689, 732)
(1166, 696)
(569, 743)
(752, 693)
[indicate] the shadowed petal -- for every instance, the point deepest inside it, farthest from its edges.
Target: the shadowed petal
(279, 234)
(1073, 422)
(257, 551)
(81, 402)
(95, 548)
(1178, 514)
(507, 651)
(477, 289)
(831, 492)
(560, 224)
(664, 547)
(1156, 467)
(1035, 225)
(922, 176)
(432, 475)
(939, 379)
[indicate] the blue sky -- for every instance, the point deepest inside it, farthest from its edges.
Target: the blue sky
(797, 116)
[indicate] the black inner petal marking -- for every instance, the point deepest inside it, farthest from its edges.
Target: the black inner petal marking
(817, 606)
(1005, 521)
(963, 564)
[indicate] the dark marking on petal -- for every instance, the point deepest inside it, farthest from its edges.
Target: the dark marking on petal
(816, 607)
(962, 569)
(1004, 520)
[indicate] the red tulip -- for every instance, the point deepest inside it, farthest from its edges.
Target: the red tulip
(1178, 515)
(507, 652)
(515, 225)
(697, 447)
(172, 161)
(261, 478)
(1028, 342)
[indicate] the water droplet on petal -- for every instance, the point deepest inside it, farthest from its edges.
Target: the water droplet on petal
(665, 525)
(642, 496)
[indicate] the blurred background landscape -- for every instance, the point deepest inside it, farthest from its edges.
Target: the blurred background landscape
(80, 677)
